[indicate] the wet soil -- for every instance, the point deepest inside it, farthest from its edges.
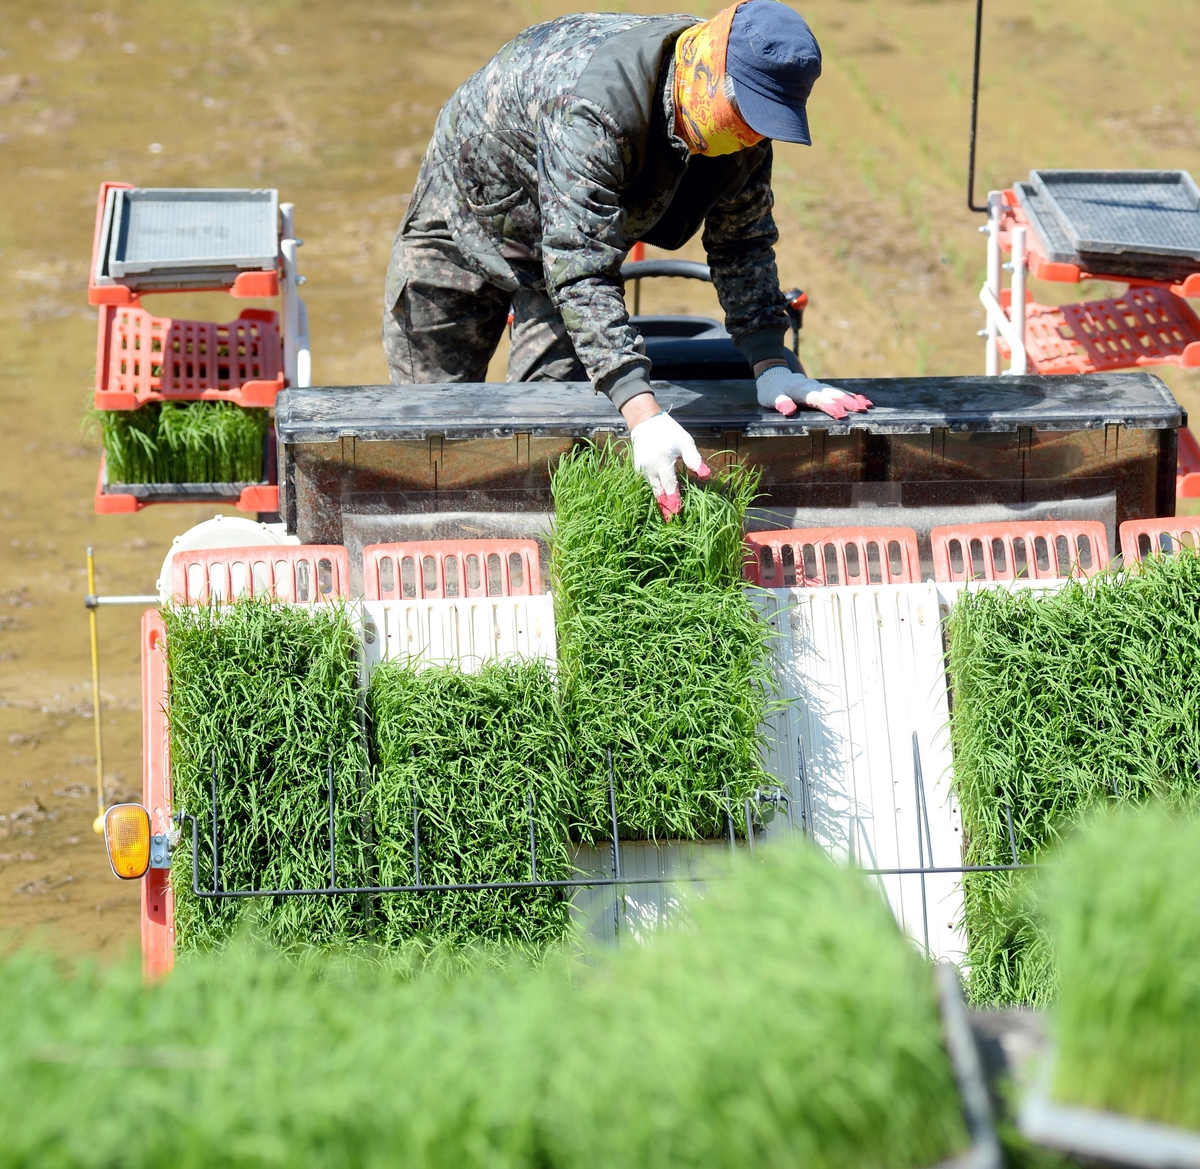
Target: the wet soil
(333, 104)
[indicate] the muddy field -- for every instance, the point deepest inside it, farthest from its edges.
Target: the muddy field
(333, 104)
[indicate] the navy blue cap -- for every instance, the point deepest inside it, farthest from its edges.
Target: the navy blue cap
(774, 61)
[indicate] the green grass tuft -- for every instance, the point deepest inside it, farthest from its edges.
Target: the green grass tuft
(474, 750)
(790, 1024)
(193, 442)
(273, 691)
(1064, 701)
(661, 656)
(1125, 911)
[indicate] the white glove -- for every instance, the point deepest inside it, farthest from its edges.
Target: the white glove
(657, 443)
(781, 389)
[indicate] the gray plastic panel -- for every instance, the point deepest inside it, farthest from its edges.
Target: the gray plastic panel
(1153, 213)
(169, 230)
(1055, 244)
(575, 410)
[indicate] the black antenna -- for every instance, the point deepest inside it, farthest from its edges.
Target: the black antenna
(971, 204)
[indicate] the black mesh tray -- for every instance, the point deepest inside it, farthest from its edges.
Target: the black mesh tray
(1119, 213)
(181, 492)
(1057, 248)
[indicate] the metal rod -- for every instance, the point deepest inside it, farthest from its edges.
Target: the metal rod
(532, 838)
(637, 297)
(416, 837)
(91, 601)
(921, 840)
(992, 300)
(918, 783)
(612, 812)
(956, 870)
(483, 886)
(971, 204)
(332, 833)
(924, 808)
(749, 813)
(98, 823)
(216, 881)
(729, 818)
(805, 794)
(1012, 836)
(1019, 361)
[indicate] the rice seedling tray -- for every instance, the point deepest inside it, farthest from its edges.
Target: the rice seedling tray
(1122, 909)
(124, 498)
(1057, 245)
(175, 239)
(203, 444)
(943, 442)
(1067, 695)
(1104, 1136)
(569, 1064)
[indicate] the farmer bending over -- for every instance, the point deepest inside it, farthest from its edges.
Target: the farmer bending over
(580, 137)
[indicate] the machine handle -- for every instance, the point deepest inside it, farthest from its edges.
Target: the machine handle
(689, 269)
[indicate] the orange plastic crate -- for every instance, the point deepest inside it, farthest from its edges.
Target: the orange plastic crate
(297, 573)
(1144, 326)
(1187, 472)
(142, 358)
(805, 557)
(427, 569)
(1141, 538)
(1036, 550)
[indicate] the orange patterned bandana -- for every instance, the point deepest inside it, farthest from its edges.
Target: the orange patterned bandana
(704, 117)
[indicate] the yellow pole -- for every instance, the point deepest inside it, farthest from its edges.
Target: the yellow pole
(98, 823)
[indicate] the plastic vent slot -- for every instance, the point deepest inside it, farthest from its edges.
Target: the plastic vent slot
(431, 569)
(1162, 537)
(1038, 550)
(807, 557)
(301, 575)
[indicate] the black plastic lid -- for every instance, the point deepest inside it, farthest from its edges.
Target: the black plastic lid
(572, 409)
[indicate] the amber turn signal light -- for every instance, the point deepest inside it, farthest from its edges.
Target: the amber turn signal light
(127, 838)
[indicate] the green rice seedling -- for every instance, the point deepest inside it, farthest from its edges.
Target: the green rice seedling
(791, 1024)
(270, 695)
(175, 442)
(1062, 701)
(476, 755)
(1124, 906)
(661, 657)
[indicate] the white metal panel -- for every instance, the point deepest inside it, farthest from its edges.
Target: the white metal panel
(466, 632)
(864, 733)
(607, 913)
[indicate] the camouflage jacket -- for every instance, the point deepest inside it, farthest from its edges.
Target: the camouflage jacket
(563, 149)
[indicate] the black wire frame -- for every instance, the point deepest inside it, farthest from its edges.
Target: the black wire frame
(754, 822)
(971, 204)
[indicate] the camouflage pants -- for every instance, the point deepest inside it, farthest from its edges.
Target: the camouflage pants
(442, 321)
